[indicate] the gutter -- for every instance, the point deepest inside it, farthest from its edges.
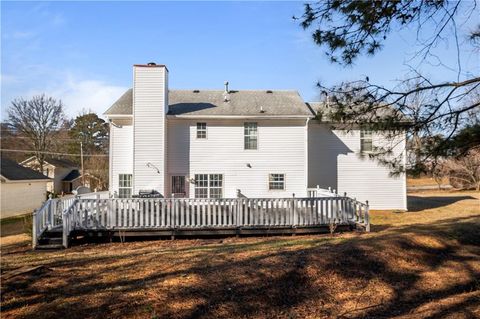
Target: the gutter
(239, 117)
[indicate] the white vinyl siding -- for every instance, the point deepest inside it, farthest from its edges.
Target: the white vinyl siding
(121, 154)
(335, 160)
(150, 133)
(282, 150)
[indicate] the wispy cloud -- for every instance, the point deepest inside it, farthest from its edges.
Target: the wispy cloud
(20, 35)
(86, 94)
(77, 92)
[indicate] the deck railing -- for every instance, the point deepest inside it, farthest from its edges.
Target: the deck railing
(49, 216)
(96, 213)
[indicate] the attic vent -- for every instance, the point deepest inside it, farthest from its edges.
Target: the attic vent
(196, 91)
(269, 91)
(151, 64)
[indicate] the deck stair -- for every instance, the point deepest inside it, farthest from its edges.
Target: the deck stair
(51, 239)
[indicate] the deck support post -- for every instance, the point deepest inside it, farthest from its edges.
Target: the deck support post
(65, 230)
(34, 229)
(367, 217)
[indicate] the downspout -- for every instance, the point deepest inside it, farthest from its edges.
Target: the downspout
(306, 154)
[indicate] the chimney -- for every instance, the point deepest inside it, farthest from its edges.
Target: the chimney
(150, 107)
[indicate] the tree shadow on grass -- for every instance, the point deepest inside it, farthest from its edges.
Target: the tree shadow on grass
(419, 203)
(365, 276)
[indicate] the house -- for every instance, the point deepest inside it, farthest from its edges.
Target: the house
(22, 189)
(228, 143)
(65, 174)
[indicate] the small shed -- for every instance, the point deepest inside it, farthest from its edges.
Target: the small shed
(22, 189)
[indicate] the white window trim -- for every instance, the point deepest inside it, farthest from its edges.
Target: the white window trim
(185, 185)
(208, 185)
(206, 132)
(123, 187)
(284, 182)
(258, 139)
(364, 138)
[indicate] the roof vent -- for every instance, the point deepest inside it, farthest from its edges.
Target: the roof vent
(196, 91)
(226, 86)
(269, 91)
(151, 64)
(226, 95)
(262, 110)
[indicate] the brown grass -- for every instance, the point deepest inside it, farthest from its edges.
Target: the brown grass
(419, 264)
(425, 181)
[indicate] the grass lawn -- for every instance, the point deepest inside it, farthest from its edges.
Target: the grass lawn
(424, 263)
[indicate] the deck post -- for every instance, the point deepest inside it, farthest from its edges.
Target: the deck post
(294, 204)
(34, 229)
(367, 217)
(65, 230)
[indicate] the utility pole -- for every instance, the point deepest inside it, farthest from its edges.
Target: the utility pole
(81, 160)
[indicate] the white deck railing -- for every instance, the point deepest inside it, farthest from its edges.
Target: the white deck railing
(80, 213)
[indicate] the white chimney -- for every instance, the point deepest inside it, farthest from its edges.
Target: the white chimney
(150, 106)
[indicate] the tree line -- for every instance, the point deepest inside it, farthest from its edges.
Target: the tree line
(39, 127)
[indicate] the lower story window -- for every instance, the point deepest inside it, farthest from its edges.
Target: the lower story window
(208, 185)
(276, 181)
(125, 185)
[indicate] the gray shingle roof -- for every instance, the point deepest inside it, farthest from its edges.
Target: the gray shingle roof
(211, 103)
(60, 162)
(72, 175)
(14, 171)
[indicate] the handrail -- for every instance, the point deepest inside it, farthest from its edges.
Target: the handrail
(177, 213)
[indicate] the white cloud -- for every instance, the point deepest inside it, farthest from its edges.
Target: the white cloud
(79, 95)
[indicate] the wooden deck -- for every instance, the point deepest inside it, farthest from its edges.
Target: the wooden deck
(193, 217)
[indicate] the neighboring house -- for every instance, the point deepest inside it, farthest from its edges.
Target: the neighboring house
(263, 143)
(22, 189)
(65, 174)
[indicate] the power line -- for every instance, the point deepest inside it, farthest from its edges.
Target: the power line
(51, 153)
(56, 138)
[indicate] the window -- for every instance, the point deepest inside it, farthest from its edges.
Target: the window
(276, 181)
(178, 184)
(366, 144)
(202, 130)
(250, 136)
(125, 185)
(208, 185)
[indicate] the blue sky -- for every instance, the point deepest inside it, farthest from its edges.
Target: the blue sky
(82, 52)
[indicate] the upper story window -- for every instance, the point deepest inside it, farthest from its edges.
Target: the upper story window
(202, 130)
(125, 185)
(276, 181)
(250, 136)
(366, 144)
